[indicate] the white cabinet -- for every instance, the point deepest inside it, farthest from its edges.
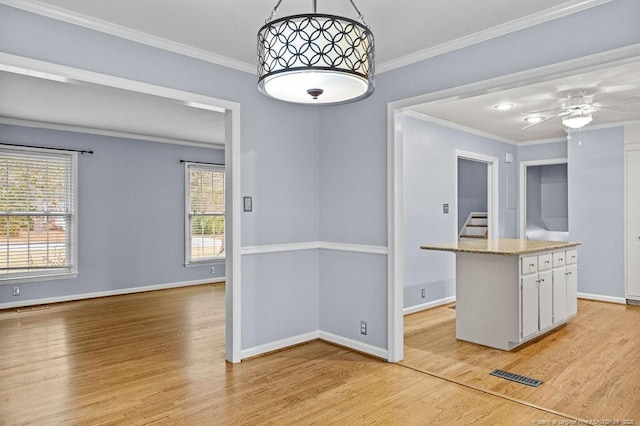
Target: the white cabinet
(548, 291)
(505, 297)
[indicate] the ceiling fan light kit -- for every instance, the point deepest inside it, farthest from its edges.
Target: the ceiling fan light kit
(316, 58)
(576, 121)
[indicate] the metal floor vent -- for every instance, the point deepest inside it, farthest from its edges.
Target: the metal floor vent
(516, 378)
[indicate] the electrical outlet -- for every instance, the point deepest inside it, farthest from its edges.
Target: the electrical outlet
(445, 208)
(423, 293)
(363, 327)
(16, 291)
(213, 270)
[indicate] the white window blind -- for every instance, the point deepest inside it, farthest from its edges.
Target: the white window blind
(36, 212)
(205, 226)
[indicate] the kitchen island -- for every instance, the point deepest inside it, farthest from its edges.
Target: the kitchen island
(510, 291)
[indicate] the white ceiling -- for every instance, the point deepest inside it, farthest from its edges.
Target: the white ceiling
(84, 107)
(228, 28)
(616, 88)
(225, 32)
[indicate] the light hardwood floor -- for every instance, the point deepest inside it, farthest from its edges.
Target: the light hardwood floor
(158, 358)
(590, 367)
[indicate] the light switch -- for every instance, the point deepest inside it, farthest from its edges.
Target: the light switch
(247, 204)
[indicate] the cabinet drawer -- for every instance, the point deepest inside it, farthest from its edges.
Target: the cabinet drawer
(572, 256)
(544, 262)
(559, 258)
(529, 264)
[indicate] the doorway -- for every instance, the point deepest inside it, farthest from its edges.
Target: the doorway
(476, 196)
(544, 205)
(231, 114)
(632, 231)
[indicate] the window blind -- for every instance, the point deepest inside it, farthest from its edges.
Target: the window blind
(205, 213)
(36, 212)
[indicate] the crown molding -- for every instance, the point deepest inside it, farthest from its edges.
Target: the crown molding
(490, 33)
(110, 28)
(460, 127)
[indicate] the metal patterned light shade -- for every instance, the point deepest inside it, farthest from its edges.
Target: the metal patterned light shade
(316, 59)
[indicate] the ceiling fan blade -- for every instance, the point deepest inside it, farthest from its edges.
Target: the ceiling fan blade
(540, 122)
(614, 110)
(542, 112)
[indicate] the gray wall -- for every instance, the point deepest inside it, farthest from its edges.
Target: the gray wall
(130, 213)
(534, 199)
(546, 151)
(554, 197)
(472, 189)
(279, 160)
(596, 209)
(429, 152)
(353, 146)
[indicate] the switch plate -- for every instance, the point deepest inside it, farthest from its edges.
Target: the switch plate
(247, 204)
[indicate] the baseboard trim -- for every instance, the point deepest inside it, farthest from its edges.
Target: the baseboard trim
(118, 292)
(600, 298)
(354, 345)
(279, 344)
(428, 305)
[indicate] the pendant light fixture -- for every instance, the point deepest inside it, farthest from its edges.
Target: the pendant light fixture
(316, 58)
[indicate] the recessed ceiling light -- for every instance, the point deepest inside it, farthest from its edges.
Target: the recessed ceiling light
(503, 107)
(534, 119)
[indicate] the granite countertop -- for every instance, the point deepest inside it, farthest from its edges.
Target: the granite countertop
(501, 246)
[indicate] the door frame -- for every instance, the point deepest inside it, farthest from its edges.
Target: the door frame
(523, 188)
(493, 204)
(232, 152)
(629, 146)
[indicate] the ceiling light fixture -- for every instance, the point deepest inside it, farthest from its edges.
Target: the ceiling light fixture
(316, 58)
(534, 119)
(503, 107)
(577, 120)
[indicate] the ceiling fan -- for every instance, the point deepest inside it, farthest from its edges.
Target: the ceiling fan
(576, 111)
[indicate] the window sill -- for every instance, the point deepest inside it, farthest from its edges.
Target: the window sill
(214, 262)
(38, 278)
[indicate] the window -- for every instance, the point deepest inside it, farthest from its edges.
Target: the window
(205, 213)
(37, 213)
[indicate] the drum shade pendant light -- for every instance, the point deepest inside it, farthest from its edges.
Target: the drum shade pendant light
(316, 58)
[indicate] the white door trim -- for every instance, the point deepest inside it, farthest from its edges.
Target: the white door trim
(232, 167)
(523, 187)
(493, 204)
(395, 210)
(627, 148)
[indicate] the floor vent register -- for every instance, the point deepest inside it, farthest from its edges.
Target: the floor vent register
(516, 378)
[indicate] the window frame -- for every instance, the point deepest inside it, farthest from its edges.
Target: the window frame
(187, 224)
(72, 243)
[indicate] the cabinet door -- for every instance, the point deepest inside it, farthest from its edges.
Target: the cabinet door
(529, 303)
(559, 295)
(572, 290)
(545, 299)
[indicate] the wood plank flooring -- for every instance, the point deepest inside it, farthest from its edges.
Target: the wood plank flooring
(590, 367)
(158, 358)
